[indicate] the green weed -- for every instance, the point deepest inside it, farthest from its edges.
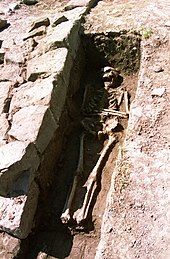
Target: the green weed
(147, 32)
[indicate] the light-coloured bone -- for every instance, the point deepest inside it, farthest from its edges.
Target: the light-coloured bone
(114, 112)
(110, 125)
(111, 96)
(110, 112)
(42, 255)
(85, 96)
(126, 102)
(113, 103)
(120, 99)
(66, 215)
(91, 183)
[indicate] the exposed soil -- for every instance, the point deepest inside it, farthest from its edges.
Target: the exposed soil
(72, 241)
(136, 218)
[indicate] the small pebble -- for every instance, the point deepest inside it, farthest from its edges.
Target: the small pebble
(158, 69)
(30, 2)
(158, 91)
(13, 6)
(167, 24)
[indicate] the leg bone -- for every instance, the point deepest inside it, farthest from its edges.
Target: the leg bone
(126, 102)
(120, 99)
(66, 215)
(91, 184)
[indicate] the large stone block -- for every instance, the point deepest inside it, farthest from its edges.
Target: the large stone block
(77, 3)
(10, 72)
(4, 125)
(17, 213)
(14, 56)
(58, 97)
(19, 162)
(50, 91)
(9, 246)
(75, 14)
(4, 90)
(63, 35)
(56, 61)
(31, 93)
(34, 124)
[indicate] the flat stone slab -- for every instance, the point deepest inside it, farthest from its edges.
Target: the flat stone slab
(77, 3)
(34, 82)
(4, 126)
(10, 72)
(38, 67)
(9, 246)
(31, 93)
(17, 213)
(16, 158)
(4, 90)
(50, 92)
(14, 56)
(63, 35)
(34, 124)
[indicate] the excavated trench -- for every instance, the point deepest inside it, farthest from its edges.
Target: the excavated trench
(89, 109)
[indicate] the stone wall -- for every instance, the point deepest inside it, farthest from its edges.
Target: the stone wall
(35, 81)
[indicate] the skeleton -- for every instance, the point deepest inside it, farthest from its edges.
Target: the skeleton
(42, 255)
(66, 215)
(109, 125)
(115, 112)
(91, 100)
(91, 183)
(111, 77)
(107, 112)
(120, 99)
(126, 102)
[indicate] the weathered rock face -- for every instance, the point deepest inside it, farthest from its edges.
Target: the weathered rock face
(9, 246)
(35, 82)
(38, 66)
(13, 163)
(19, 211)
